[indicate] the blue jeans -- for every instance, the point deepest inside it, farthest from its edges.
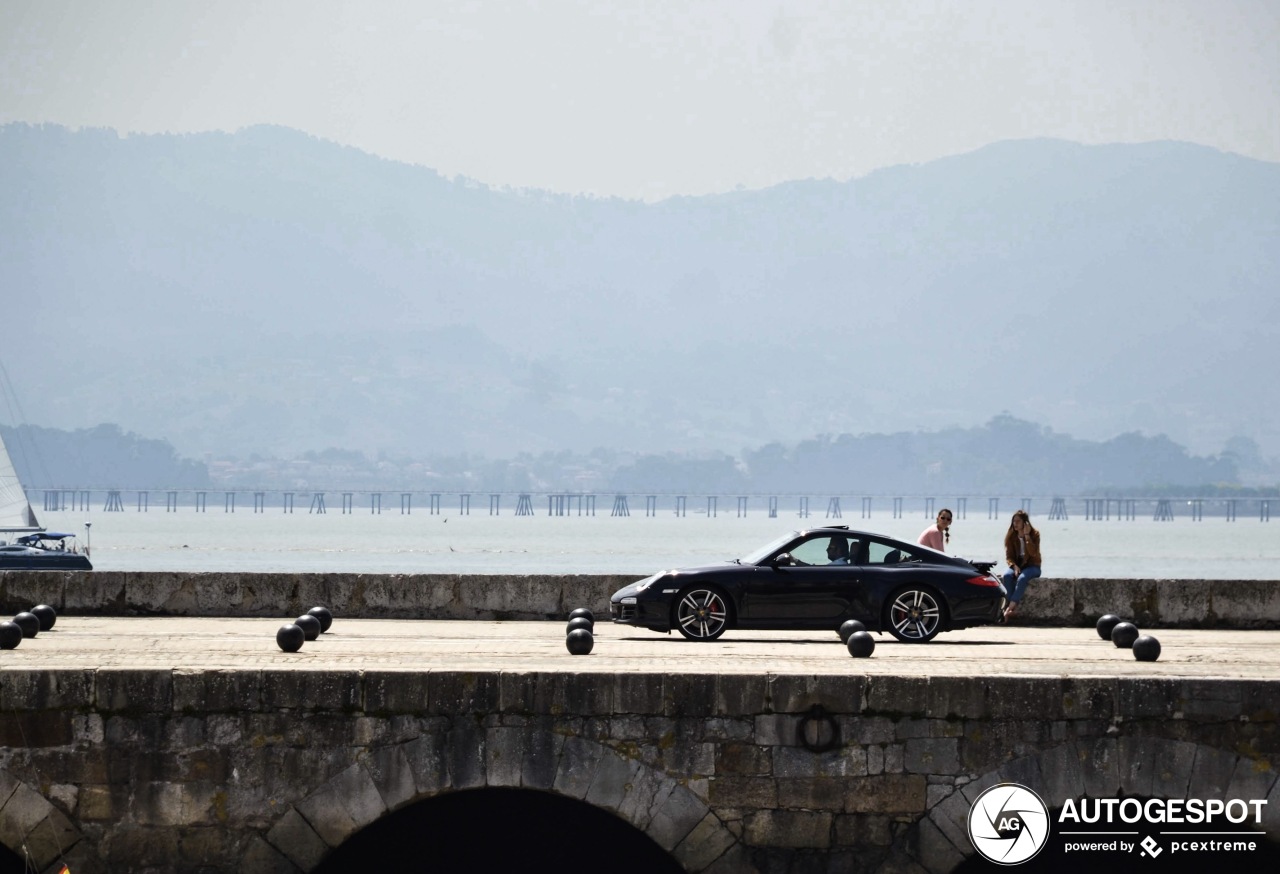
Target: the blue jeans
(1017, 591)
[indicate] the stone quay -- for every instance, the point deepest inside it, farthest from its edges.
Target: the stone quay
(157, 732)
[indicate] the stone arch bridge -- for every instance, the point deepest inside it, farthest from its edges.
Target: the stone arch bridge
(266, 770)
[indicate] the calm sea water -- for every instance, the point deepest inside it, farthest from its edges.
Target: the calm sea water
(391, 542)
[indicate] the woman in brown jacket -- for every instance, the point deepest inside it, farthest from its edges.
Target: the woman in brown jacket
(1022, 552)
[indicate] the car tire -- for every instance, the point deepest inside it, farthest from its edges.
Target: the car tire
(701, 613)
(915, 614)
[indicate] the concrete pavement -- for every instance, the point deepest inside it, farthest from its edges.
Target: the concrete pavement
(196, 644)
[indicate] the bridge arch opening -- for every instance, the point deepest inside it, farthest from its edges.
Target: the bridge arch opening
(479, 829)
(13, 863)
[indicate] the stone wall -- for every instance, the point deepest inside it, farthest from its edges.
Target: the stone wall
(1151, 603)
(257, 771)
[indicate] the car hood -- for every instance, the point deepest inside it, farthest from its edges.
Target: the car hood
(675, 576)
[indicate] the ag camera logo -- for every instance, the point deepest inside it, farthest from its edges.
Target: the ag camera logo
(1008, 824)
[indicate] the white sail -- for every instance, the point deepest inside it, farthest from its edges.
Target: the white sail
(15, 511)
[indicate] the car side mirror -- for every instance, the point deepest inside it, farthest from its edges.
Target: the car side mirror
(782, 560)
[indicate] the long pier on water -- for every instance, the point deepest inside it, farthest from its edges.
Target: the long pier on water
(829, 507)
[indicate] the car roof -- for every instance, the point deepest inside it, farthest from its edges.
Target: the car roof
(842, 529)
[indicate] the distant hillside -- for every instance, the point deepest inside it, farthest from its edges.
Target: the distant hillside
(267, 291)
(103, 457)
(1005, 456)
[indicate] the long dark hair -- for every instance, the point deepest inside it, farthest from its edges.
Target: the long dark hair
(946, 532)
(1013, 532)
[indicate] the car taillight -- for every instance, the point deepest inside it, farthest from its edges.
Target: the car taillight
(983, 581)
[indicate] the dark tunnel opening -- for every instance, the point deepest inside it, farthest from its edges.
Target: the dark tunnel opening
(478, 829)
(13, 863)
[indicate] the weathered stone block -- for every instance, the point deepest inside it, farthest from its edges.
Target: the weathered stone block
(739, 694)
(1089, 697)
(895, 696)
(808, 829)
(613, 777)
(1061, 775)
(675, 816)
(1099, 767)
(757, 792)
(1244, 603)
(216, 691)
(797, 762)
(465, 754)
(425, 756)
(20, 812)
(1210, 772)
(453, 693)
(51, 728)
(311, 690)
(388, 692)
(390, 771)
(933, 756)
(122, 690)
(48, 837)
(775, 729)
(578, 760)
(1174, 760)
(261, 858)
(297, 840)
(707, 842)
(741, 758)
(640, 693)
(937, 854)
(504, 755)
(542, 746)
(837, 694)
(1252, 778)
(886, 794)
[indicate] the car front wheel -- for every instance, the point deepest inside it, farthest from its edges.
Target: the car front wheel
(914, 615)
(702, 614)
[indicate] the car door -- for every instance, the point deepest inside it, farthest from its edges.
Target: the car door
(811, 592)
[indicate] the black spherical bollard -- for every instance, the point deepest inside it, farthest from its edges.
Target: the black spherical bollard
(309, 624)
(585, 613)
(1146, 648)
(1124, 634)
(325, 617)
(580, 622)
(580, 641)
(10, 635)
(861, 644)
(290, 637)
(46, 615)
(1105, 624)
(849, 627)
(29, 624)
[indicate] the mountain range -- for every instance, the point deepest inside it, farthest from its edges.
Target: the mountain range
(267, 291)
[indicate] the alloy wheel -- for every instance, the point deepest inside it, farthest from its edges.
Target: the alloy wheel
(702, 614)
(915, 616)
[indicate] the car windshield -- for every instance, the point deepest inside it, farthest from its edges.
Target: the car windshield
(764, 552)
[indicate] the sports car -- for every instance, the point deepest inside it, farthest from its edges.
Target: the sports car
(819, 578)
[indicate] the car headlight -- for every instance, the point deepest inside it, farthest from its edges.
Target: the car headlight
(628, 600)
(645, 583)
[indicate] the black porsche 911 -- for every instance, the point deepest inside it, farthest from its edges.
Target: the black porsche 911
(819, 579)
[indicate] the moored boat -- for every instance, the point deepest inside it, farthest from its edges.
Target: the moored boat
(24, 544)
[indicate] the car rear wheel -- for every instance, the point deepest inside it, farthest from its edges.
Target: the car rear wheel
(702, 613)
(914, 614)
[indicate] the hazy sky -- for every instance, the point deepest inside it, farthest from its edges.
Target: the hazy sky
(650, 99)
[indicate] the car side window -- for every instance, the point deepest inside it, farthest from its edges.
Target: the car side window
(826, 551)
(888, 554)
